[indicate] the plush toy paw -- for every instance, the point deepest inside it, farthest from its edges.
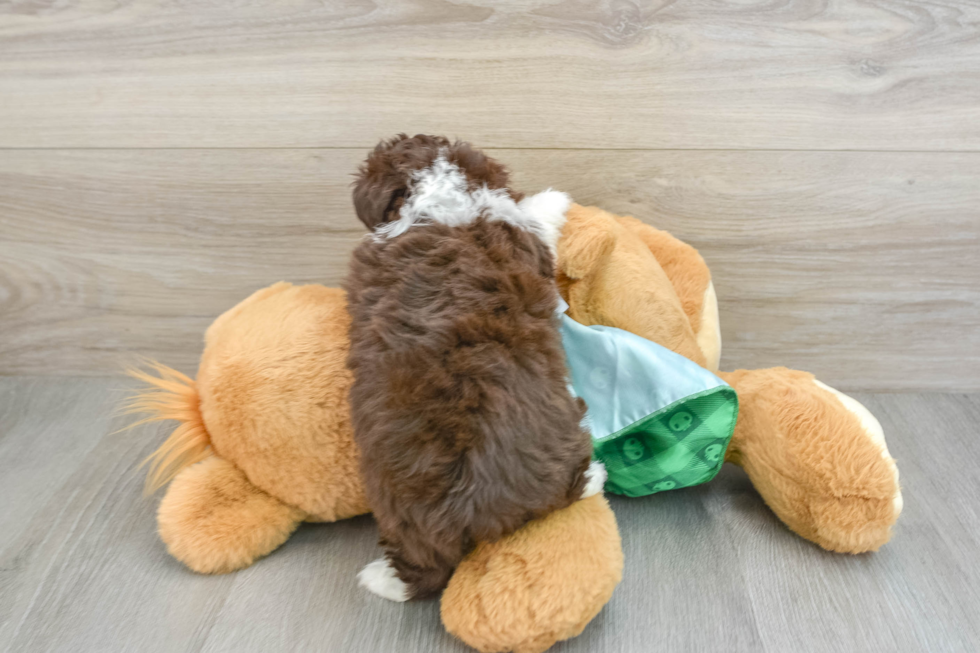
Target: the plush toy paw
(817, 457)
(595, 477)
(379, 578)
(214, 520)
(863, 522)
(538, 586)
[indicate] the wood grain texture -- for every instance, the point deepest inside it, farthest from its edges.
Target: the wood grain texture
(82, 568)
(717, 121)
(860, 267)
(791, 74)
(60, 423)
(136, 252)
(708, 568)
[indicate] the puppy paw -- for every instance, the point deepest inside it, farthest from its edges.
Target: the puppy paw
(595, 479)
(379, 578)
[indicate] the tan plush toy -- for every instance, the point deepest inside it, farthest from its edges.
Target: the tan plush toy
(265, 440)
(817, 457)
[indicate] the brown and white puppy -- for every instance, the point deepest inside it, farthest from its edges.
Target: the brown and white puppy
(460, 401)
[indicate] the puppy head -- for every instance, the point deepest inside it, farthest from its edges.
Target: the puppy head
(386, 179)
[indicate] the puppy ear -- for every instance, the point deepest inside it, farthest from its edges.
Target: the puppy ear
(383, 182)
(588, 237)
(378, 198)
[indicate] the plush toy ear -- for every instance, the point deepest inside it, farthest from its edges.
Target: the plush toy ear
(588, 237)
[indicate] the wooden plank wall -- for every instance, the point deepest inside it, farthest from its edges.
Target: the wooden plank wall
(159, 161)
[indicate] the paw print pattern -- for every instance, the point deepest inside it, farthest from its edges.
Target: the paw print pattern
(600, 377)
(634, 450)
(713, 453)
(680, 421)
(679, 446)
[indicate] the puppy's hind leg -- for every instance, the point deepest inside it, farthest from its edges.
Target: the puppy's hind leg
(379, 577)
(595, 479)
(410, 572)
(382, 577)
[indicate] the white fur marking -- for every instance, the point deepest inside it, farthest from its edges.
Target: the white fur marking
(596, 475)
(874, 432)
(548, 209)
(440, 193)
(379, 578)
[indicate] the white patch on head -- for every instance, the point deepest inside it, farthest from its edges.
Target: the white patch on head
(440, 193)
(379, 578)
(874, 432)
(595, 479)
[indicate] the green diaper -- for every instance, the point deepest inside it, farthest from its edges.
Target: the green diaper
(658, 420)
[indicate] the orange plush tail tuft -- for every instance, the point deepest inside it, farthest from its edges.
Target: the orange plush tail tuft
(168, 394)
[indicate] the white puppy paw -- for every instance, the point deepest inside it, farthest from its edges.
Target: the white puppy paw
(595, 479)
(379, 578)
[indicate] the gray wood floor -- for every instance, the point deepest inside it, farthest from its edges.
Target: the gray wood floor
(707, 569)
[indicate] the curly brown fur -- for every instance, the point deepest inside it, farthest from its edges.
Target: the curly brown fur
(381, 186)
(460, 403)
